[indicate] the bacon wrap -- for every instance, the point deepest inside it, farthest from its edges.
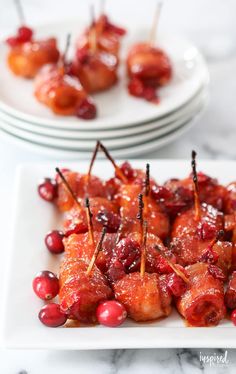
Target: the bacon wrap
(202, 304)
(26, 59)
(107, 37)
(149, 64)
(59, 91)
(230, 294)
(190, 239)
(158, 222)
(79, 246)
(80, 293)
(96, 72)
(104, 213)
(145, 298)
(155, 263)
(82, 187)
(210, 191)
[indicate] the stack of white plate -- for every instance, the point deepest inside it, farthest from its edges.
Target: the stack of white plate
(127, 126)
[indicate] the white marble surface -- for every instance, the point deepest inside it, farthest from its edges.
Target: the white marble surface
(211, 24)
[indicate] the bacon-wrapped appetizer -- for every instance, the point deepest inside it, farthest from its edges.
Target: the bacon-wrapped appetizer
(95, 68)
(203, 302)
(82, 286)
(27, 56)
(62, 93)
(195, 234)
(79, 246)
(104, 214)
(127, 256)
(81, 293)
(96, 71)
(182, 192)
(157, 220)
(230, 294)
(148, 68)
(108, 37)
(144, 295)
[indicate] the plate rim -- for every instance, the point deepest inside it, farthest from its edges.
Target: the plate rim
(123, 142)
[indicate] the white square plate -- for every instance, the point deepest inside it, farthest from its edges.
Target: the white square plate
(33, 218)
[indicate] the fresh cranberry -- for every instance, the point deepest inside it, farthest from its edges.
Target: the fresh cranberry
(136, 87)
(47, 189)
(111, 313)
(46, 285)
(233, 317)
(176, 285)
(149, 94)
(108, 219)
(13, 41)
(115, 271)
(51, 315)
(127, 170)
(206, 230)
(216, 272)
(209, 256)
(112, 186)
(63, 171)
(54, 241)
(25, 34)
(86, 110)
(75, 228)
(127, 251)
(160, 193)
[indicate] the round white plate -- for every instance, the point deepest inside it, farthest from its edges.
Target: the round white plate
(129, 152)
(115, 143)
(116, 107)
(182, 113)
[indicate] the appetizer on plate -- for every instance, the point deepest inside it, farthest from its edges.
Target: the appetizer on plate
(133, 248)
(61, 92)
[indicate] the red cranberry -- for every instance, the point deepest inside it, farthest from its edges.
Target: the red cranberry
(127, 170)
(136, 87)
(233, 317)
(54, 241)
(75, 228)
(25, 34)
(111, 313)
(209, 256)
(216, 272)
(176, 285)
(47, 189)
(206, 230)
(112, 186)
(57, 177)
(160, 193)
(13, 41)
(108, 219)
(149, 94)
(51, 315)
(86, 110)
(127, 251)
(46, 285)
(115, 271)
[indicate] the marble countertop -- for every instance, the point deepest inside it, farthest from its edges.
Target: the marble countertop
(214, 137)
